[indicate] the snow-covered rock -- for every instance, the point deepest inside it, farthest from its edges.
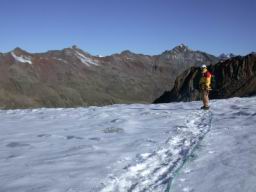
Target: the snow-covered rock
(84, 59)
(22, 58)
(225, 56)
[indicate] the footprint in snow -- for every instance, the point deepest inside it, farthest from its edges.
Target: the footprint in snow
(73, 137)
(115, 120)
(113, 130)
(17, 144)
(11, 156)
(44, 135)
(95, 139)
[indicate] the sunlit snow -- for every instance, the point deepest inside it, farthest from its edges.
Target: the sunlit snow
(60, 59)
(133, 148)
(22, 58)
(85, 59)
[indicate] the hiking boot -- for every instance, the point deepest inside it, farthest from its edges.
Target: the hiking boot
(205, 107)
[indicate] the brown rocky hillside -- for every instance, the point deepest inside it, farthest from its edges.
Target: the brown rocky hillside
(72, 77)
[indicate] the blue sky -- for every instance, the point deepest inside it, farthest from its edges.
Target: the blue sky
(143, 26)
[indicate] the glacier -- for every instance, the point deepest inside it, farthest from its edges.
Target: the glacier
(138, 147)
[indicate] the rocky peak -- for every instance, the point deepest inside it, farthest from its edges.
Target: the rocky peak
(21, 56)
(178, 49)
(75, 47)
(127, 52)
(19, 51)
(181, 48)
(73, 51)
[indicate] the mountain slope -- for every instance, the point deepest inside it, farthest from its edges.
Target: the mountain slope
(72, 77)
(235, 77)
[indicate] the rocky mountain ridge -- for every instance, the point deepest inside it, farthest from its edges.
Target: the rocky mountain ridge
(72, 77)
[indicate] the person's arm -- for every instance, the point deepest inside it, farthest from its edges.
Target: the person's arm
(201, 83)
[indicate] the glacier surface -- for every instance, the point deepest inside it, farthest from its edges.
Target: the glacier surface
(163, 147)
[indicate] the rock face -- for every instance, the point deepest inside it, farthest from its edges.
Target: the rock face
(72, 77)
(235, 77)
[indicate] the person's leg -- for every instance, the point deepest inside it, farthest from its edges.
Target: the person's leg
(202, 97)
(206, 98)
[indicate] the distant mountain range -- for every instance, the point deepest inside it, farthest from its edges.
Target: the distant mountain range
(72, 77)
(235, 77)
(225, 56)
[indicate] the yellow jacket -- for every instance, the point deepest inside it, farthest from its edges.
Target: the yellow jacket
(205, 81)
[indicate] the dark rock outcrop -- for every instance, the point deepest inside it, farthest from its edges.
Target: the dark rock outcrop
(235, 77)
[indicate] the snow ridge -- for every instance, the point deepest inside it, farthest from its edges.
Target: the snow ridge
(155, 171)
(22, 58)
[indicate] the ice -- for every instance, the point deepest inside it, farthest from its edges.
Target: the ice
(22, 58)
(130, 148)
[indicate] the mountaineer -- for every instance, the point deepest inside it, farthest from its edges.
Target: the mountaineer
(205, 86)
